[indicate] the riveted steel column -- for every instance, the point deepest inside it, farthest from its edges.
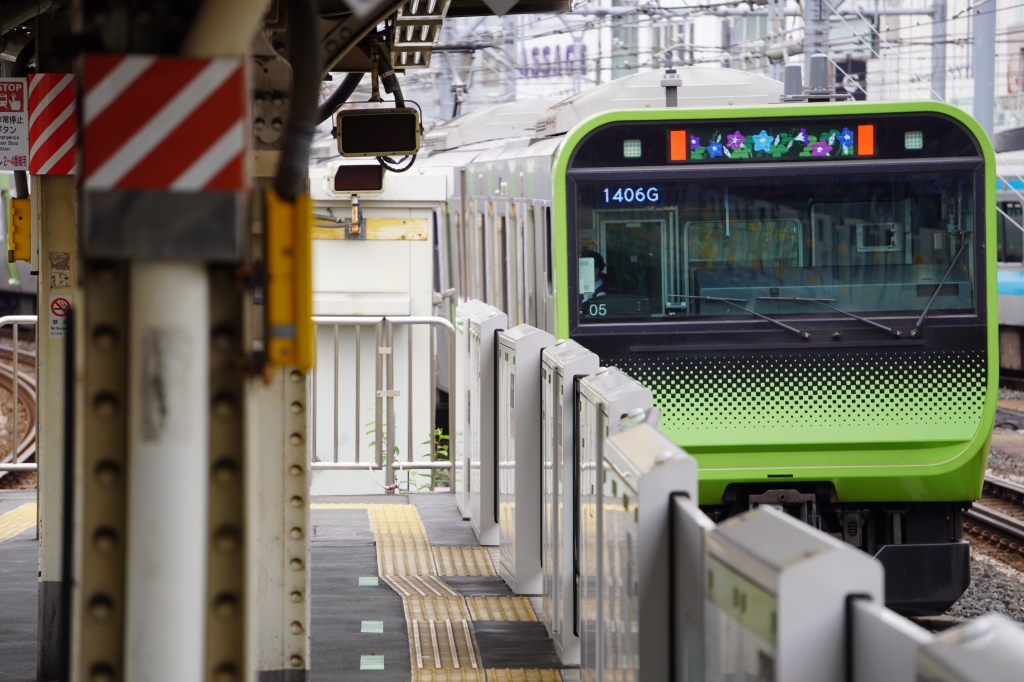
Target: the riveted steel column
(98, 595)
(277, 509)
(225, 640)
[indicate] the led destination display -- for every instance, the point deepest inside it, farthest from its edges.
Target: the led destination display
(757, 141)
(690, 142)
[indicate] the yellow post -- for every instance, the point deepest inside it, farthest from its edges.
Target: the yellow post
(19, 231)
(289, 281)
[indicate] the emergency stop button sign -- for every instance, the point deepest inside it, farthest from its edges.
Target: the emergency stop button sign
(13, 124)
(60, 306)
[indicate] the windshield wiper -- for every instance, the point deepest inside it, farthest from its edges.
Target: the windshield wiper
(824, 303)
(735, 303)
(938, 287)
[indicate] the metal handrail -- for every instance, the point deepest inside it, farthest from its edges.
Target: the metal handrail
(15, 465)
(384, 392)
(358, 466)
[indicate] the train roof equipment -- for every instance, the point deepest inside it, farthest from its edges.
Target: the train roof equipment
(503, 121)
(698, 87)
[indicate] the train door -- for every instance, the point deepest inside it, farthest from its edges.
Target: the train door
(633, 263)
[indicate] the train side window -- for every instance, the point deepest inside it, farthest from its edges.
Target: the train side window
(1010, 238)
(482, 233)
(530, 264)
(504, 237)
(547, 244)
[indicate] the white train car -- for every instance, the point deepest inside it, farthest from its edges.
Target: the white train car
(496, 241)
(472, 217)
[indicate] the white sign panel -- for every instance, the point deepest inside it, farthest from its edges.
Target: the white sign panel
(60, 306)
(13, 124)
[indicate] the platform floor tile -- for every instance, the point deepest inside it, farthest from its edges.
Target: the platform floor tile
(501, 608)
(436, 608)
(523, 675)
(443, 644)
(449, 675)
(460, 560)
(342, 603)
(17, 520)
(420, 586)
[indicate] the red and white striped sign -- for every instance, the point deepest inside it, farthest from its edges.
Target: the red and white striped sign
(52, 124)
(167, 123)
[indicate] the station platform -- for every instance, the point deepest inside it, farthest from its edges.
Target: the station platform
(401, 590)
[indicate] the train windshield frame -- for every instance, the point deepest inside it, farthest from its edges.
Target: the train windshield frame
(818, 219)
(677, 246)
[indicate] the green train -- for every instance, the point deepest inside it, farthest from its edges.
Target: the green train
(805, 288)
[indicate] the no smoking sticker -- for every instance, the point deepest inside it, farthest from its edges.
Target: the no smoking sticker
(60, 306)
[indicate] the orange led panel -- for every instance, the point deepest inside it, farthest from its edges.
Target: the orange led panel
(677, 145)
(866, 140)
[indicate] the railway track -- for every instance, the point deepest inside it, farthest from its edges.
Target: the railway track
(26, 450)
(998, 517)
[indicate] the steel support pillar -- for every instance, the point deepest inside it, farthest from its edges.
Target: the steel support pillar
(277, 509)
(54, 204)
(816, 29)
(939, 50)
(984, 59)
(55, 234)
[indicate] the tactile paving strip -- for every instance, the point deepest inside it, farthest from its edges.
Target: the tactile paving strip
(463, 561)
(420, 586)
(17, 521)
(442, 643)
(500, 608)
(448, 675)
(436, 608)
(520, 675)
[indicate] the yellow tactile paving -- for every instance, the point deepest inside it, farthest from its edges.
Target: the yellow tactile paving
(17, 520)
(500, 608)
(436, 608)
(441, 644)
(398, 523)
(420, 586)
(337, 505)
(521, 675)
(448, 675)
(455, 560)
(404, 560)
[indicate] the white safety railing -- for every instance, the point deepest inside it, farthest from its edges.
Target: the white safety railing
(21, 449)
(385, 445)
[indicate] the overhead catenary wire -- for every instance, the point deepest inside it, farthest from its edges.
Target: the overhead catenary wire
(940, 98)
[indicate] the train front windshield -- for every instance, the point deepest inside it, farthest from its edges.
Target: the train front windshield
(866, 215)
(707, 247)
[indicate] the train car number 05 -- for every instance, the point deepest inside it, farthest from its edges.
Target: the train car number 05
(629, 195)
(597, 310)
